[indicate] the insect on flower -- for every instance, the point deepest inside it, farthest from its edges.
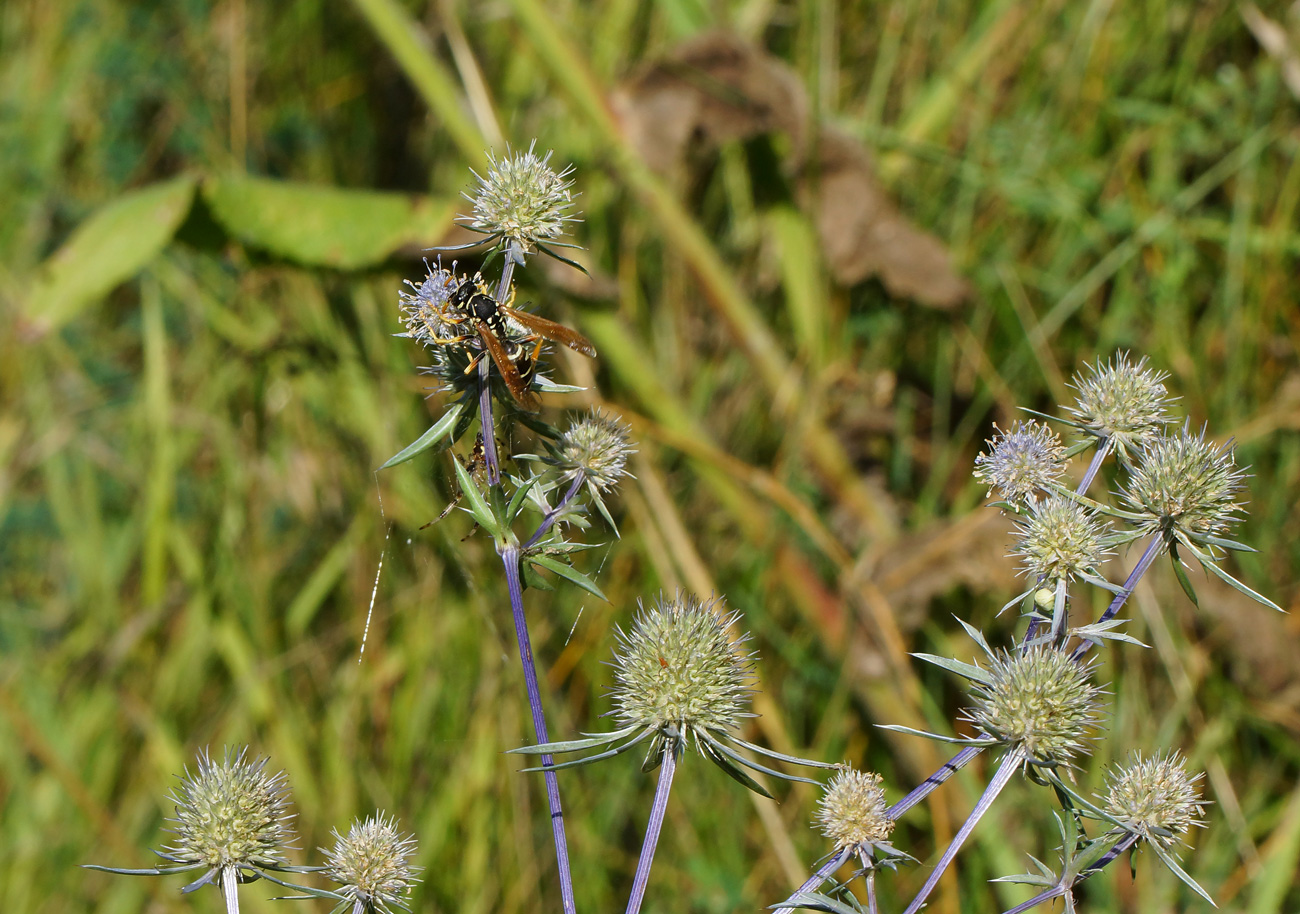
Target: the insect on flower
(514, 356)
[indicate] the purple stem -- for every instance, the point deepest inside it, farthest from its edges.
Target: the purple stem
(510, 558)
(926, 787)
(1000, 779)
(551, 516)
(485, 423)
(642, 878)
(822, 873)
(1098, 458)
(1061, 889)
(1153, 550)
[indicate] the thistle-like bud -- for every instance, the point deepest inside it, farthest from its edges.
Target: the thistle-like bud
(679, 670)
(1059, 540)
(1122, 402)
(1021, 462)
(1039, 701)
(597, 446)
(1184, 483)
(522, 199)
(373, 864)
(851, 811)
(425, 309)
(1155, 798)
(231, 814)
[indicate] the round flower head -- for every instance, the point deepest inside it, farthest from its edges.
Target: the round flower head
(231, 814)
(522, 199)
(851, 811)
(1121, 402)
(597, 446)
(425, 309)
(1059, 540)
(1183, 483)
(373, 864)
(1039, 701)
(1021, 462)
(679, 671)
(1154, 798)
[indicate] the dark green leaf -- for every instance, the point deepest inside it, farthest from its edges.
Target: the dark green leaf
(568, 572)
(478, 508)
(436, 433)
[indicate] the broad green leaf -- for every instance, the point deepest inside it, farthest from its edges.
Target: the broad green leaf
(325, 226)
(110, 247)
(569, 573)
(435, 434)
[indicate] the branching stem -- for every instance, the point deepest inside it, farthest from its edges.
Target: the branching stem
(666, 771)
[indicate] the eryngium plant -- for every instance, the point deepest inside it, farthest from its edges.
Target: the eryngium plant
(372, 864)
(232, 822)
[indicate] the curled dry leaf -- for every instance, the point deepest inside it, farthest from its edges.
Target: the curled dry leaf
(718, 87)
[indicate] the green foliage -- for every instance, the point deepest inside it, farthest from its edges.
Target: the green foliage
(191, 529)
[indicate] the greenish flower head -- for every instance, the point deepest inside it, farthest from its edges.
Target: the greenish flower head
(372, 862)
(231, 814)
(1021, 462)
(851, 811)
(679, 670)
(1155, 798)
(1039, 701)
(597, 446)
(1059, 540)
(1122, 402)
(522, 199)
(1184, 483)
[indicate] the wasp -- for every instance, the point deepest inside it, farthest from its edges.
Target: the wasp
(515, 357)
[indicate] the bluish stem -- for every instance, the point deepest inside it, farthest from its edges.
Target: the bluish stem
(1098, 458)
(642, 878)
(821, 874)
(1005, 771)
(926, 787)
(485, 423)
(510, 558)
(551, 516)
(1061, 889)
(230, 888)
(1153, 550)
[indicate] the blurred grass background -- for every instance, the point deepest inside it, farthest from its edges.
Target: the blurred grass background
(191, 524)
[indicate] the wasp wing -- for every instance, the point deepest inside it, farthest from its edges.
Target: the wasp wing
(515, 383)
(552, 331)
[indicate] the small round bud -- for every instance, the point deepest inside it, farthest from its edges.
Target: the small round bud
(522, 198)
(231, 814)
(1021, 462)
(1039, 701)
(1122, 402)
(1184, 483)
(1155, 798)
(597, 445)
(852, 809)
(373, 864)
(1059, 540)
(680, 670)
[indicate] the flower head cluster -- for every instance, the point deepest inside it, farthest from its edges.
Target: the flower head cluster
(231, 814)
(1059, 540)
(372, 862)
(679, 671)
(1184, 484)
(1122, 402)
(1021, 462)
(852, 810)
(1039, 701)
(426, 309)
(522, 199)
(596, 446)
(1155, 798)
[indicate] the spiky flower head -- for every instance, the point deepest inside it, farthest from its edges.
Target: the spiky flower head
(597, 446)
(1021, 462)
(1059, 540)
(231, 814)
(1155, 797)
(522, 199)
(426, 309)
(1039, 701)
(851, 811)
(1184, 484)
(1122, 402)
(372, 862)
(679, 670)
